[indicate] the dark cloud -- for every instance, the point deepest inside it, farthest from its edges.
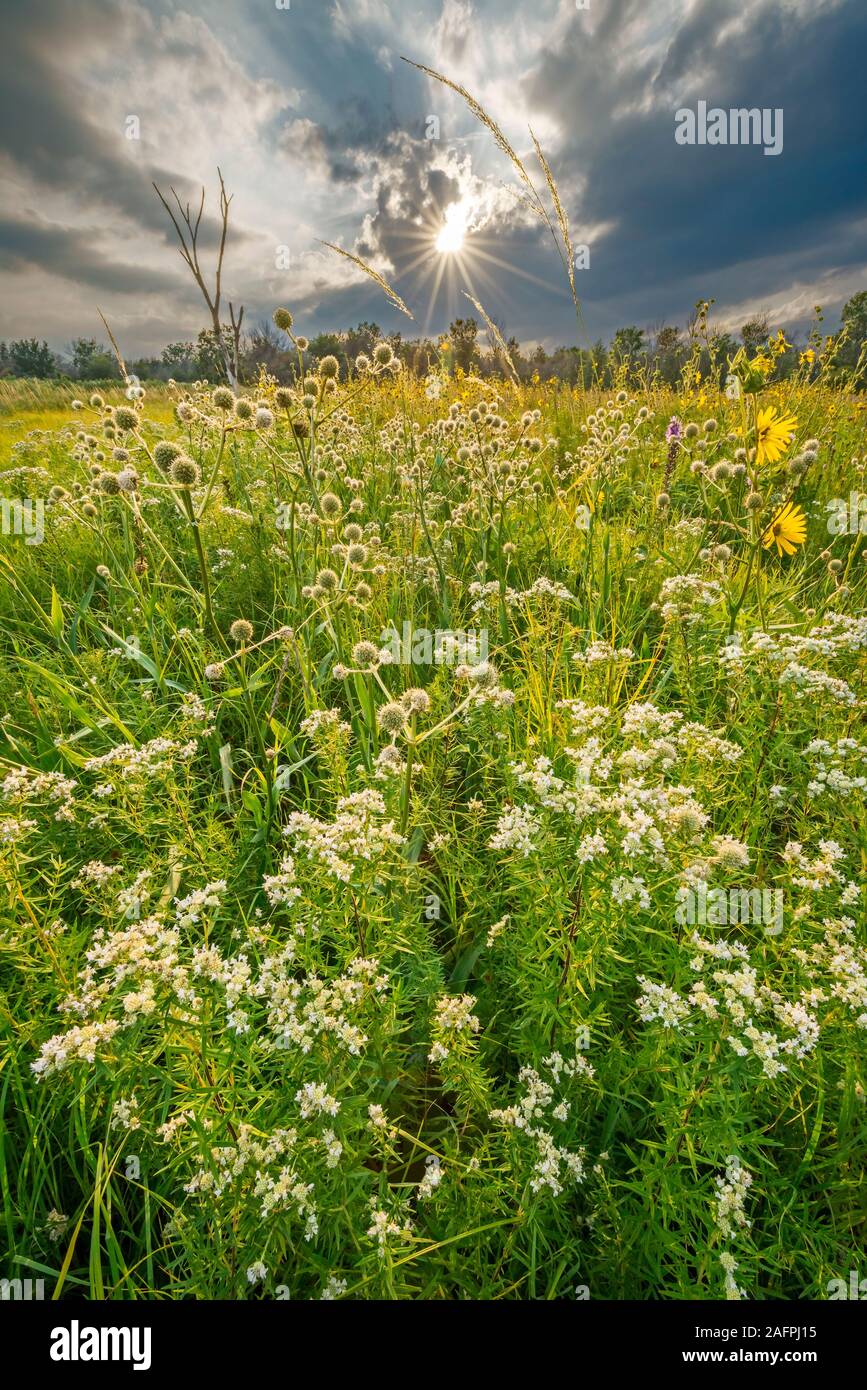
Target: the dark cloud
(320, 128)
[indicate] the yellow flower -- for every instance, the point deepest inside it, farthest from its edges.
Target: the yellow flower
(787, 531)
(773, 434)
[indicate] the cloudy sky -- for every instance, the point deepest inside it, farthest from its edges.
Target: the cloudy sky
(321, 131)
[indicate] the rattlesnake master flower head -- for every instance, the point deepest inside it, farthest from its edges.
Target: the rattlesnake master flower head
(109, 484)
(215, 671)
(90, 510)
(97, 401)
(185, 413)
(300, 427)
(392, 717)
(223, 398)
(365, 654)
(329, 367)
(754, 502)
(330, 504)
(416, 701)
(356, 555)
(184, 471)
(264, 418)
(353, 532)
(103, 571)
(283, 320)
(362, 362)
(383, 355)
(283, 397)
(126, 419)
(730, 854)
(327, 580)
(241, 632)
(165, 454)
(243, 409)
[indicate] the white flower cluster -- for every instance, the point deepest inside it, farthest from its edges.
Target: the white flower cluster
(537, 1108)
(23, 784)
(153, 759)
(683, 596)
(834, 766)
(354, 835)
(453, 1015)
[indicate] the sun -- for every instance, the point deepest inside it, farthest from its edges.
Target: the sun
(454, 229)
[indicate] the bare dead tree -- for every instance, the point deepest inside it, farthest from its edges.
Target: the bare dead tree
(187, 229)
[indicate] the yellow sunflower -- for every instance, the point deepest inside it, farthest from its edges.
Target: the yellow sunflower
(773, 434)
(787, 531)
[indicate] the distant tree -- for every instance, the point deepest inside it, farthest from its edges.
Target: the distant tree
(29, 357)
(669, 353)
(628, 344)
(92, 361)
(463, 335)
(212, 353)
(362, 339)
(754, 333)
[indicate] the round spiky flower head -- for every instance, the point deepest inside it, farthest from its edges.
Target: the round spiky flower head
(329, 367)
(97, 401)
(416, 701)
(184, 471)
(125, 418)
(353, 532)
(327, 580)
(223, 398)
(264, 418)
(730, 854)
(215, 671)
(240, 632)
(365, 654)
(301, 343)
(103, 571)
(382, 354)
(330, 504)
(283, 319)
(283, 397)
(363, 592)
(185, 413)
(688, 820)
(356, 555)
(691, 431)
(392, 717)
(89, 509)
(243, 409)
(300, 427)
(165, 454)
(109, 484)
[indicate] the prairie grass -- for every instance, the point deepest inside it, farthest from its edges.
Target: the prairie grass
(327, 976)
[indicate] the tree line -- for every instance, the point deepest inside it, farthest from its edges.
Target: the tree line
(659, 353)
